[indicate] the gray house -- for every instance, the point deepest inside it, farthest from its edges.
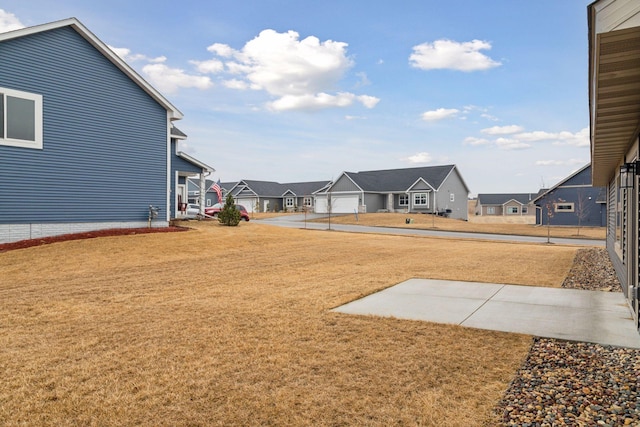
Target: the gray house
(614, 106)
(263, 196)
(65, 99)
(573, 202)
(506, 204)
(432, 189)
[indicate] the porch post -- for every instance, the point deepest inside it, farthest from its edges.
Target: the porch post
(202, 191)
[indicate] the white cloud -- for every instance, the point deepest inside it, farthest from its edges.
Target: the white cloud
(221, 50)
(569, 162)
(578, 139)
(9, 22)
(439, 114)
(489, 117)
(448, 54)
(126, 55)
(211, 66)
(236, 84)
(319, 101)
(476, 141)
(169, 80)
(422, 157)
(301, 74)
(511, 144)
(502, 130)
(165, 78)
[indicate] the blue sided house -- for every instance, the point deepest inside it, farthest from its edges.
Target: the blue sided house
(574, 201)
(85, 142)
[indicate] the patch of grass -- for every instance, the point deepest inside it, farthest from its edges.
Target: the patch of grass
(231, 326)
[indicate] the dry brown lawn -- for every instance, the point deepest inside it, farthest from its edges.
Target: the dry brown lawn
(231, 326)
(447, 224)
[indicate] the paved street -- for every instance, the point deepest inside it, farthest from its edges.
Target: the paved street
(298, 221)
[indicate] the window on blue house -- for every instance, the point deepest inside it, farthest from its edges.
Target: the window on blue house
(564, 207)
(20, 119)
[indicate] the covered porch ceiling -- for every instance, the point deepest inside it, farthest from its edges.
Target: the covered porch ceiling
(614, 99)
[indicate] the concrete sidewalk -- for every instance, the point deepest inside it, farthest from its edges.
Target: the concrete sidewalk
(571, 314)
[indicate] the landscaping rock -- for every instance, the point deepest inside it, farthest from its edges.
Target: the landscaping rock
(565, 383)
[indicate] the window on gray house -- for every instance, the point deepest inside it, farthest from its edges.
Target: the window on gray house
(421, 199)
(403, 200)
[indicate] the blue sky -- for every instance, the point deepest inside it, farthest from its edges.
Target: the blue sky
(294, 91)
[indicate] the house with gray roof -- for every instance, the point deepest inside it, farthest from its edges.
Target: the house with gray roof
(65, 98)
(432, 189)
(264, 196)
(506, 204)
(573, 201)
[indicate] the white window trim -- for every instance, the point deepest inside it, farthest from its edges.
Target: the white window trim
(308, 201)
(571, 207)
(406, 201)
(289, 202)
(513, 210)
(37, 99)
(422, 205)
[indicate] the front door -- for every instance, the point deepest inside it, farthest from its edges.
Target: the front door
(182, 199)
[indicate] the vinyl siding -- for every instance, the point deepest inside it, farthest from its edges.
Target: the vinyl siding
(344, 184)
(453, 184)
(104, 139)
(375, 202)
(617, 262)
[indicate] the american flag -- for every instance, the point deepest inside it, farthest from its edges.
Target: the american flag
(216, 187)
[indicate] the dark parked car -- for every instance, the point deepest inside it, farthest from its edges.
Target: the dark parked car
(215, 209)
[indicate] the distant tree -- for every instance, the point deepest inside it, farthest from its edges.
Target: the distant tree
(229, 215)
(550, 212)
(582, 208)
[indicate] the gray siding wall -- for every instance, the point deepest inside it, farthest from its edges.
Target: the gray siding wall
(104, 139)
(617, 262)
(344, 184)
(453, 184)
(375, 202)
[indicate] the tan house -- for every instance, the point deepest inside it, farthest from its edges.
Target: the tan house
(506, 204)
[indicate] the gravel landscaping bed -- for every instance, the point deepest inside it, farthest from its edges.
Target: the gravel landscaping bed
(566, 383)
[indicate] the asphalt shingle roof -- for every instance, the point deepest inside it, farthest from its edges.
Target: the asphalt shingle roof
(502, 198)
(397, 180)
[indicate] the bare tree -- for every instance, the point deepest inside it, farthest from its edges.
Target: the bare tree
(550, 207)
(583, 207)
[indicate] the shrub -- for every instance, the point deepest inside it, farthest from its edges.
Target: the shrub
(229, 215)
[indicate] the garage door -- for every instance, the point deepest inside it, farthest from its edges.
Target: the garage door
(344, 204)
(321, 205)
(247, 203)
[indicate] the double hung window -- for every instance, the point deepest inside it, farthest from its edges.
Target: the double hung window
(421, 199)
